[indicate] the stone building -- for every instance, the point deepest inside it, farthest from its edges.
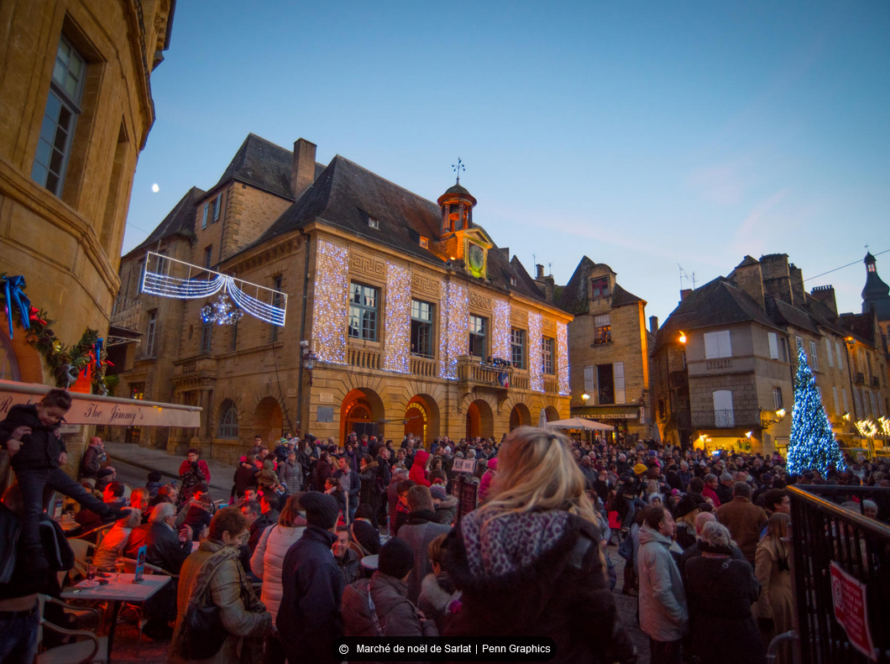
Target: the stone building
(75, 111)
(609, 349)
(404, 304)
(724, 361)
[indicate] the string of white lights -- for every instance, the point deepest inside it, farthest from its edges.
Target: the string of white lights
(398, 319)
(331, 302)
(562, 358)
(166, 286)
(268, 313)
(455, 339)
(500, 330)
(535, 360)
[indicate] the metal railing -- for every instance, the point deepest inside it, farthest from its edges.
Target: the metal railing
(827, 534)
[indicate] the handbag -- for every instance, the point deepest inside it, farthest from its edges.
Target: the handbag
(205, 633)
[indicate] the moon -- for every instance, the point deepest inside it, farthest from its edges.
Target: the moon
(155, 188)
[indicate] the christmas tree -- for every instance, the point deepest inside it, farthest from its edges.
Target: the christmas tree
(812, 443)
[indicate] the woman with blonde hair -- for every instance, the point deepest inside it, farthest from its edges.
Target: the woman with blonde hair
(534, 547)
(772, 566)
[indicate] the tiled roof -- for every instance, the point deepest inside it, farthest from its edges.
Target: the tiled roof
(717, 303)
(179, 221)
(264, 165)
(786, 314)
(574, 296)
(621, 297)
(345, 195)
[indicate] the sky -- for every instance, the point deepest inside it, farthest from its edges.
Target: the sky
(650, 136)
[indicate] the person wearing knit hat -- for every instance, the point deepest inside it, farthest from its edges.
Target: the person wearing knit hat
(308, 618)
(385, 594)
(640, 468)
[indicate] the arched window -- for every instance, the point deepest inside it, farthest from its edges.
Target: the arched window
(228, 421)
(9, 368)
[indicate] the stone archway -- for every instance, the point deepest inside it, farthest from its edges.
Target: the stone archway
(551, 414)
(480, 419)
(362, 411)
(268, 421)
(422, 418)
(520, 416)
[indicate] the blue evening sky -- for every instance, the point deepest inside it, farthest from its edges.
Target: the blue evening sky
(642, 134)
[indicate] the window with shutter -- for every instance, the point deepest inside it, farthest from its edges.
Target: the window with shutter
(204, 218)
(618, 377)
(589, 382)
(814, 356)
(840, 358)
(783, 346)
(773, 345)
(216, 202)
(844, 395)
(778, 402)
(828, 352)
(837, 404)
(723, 413)
(717, 345)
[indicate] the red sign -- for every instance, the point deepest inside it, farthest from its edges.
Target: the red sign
(851, 610)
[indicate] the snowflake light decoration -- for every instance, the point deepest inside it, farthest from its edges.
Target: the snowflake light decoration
(221, 312)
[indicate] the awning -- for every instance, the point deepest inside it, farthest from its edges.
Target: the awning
(95, 409)
(608, 412)
(579, 423)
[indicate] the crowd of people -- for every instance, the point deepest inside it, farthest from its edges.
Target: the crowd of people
(318, 541)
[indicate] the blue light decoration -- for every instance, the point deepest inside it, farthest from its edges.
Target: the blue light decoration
(455, 337)
(535, 360)
(331, 305)
(812, 445)
(221, 312)
(16, 299)
(398, 319)
(188, 288)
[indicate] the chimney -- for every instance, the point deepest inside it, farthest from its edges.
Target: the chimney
(777, 277)
(825, 294)
(540, 271)
(684, 293)
(303, 172)
(653, 324)
(748, 276)
(797, 283)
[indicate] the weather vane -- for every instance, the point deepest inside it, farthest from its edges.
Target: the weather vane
(457, 168)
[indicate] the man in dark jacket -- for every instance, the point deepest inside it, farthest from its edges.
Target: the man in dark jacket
(309, 615)
(92, 459)
(350, 484)
(268, 517)
(422, 527)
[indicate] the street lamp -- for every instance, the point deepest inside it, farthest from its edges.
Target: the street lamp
(585, 397)
(682, 337)
(307, 357)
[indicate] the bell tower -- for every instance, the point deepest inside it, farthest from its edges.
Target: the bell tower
(460, 242)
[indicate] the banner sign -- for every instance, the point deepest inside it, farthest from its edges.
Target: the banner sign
(851, 610)
(464, 466)
(95, 409)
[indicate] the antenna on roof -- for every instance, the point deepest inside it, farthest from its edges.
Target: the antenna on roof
(457, 168)
(550, 268)
(693, 281)
(682, 276)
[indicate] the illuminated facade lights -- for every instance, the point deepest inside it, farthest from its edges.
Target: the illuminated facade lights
(500, 329)
(331, 302)
(398, 319)
(535, 361)
(562, 358)
(454, 336)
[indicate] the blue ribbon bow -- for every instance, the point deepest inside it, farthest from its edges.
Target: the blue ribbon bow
(15, 296)
(98, 349)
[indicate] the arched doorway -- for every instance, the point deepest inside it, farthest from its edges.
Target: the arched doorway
(552, 414)
(268, 420)
(422, 418)
(362, 412)
(480, 420)
(520, 416)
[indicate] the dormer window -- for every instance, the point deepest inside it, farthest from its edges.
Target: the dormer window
(600, 287)
(374, 223)
(512, 281)
(424, 242)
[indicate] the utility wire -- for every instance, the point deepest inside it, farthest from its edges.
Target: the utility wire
(843, 266)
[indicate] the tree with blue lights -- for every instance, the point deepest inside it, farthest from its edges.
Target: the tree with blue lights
(812, 445)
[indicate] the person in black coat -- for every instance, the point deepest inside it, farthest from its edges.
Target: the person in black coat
(245, 476)
(309, 619)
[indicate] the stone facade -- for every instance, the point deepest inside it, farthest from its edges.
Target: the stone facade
(66, 239)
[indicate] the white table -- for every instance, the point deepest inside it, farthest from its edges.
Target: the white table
(116, 592)
(68, 526)
(370, 562)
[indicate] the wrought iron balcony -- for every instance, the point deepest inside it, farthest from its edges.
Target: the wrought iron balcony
(859, 378)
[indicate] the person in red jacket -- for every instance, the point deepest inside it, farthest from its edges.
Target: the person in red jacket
(192, 472)
(710, 490)
(418, 468)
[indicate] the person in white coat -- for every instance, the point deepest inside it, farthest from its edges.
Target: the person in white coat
(266, 563)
